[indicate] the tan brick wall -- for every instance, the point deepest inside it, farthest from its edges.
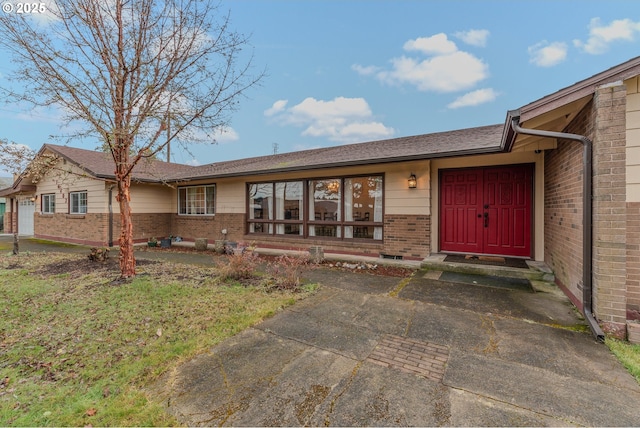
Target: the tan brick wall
(407, 235)
(563, 209)
(609, 208)
(633, 260)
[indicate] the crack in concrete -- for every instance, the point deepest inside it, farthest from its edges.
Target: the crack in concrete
(354, 372)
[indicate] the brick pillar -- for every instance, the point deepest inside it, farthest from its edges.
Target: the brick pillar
(609, 208)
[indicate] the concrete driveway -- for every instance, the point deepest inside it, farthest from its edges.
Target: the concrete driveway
(380, 351)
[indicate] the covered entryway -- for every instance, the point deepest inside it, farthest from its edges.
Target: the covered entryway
(26, 210)
(487, 210)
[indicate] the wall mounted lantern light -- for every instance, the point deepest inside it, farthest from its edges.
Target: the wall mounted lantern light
(413, 182)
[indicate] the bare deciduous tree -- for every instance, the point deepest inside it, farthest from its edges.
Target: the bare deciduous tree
(138, 74)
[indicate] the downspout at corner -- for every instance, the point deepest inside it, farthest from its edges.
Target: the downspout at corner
(110, 219)
(587, 214)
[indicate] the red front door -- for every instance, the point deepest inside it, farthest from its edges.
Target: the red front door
(486, 210)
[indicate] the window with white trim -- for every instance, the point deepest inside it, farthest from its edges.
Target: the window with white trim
(78, 202)
(48, 203)
(196, 200)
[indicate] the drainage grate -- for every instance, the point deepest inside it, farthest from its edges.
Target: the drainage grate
(411, 356)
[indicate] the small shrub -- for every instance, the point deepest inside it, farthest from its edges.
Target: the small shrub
(242, 265)
(98, 254)
(285, 271)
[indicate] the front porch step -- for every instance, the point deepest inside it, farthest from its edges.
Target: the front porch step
(538, 271)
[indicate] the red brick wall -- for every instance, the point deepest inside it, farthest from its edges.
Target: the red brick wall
(407, 235)
(191, 227)
(633, 260)
(563, 209)
(609, 209)
(404, 235)
(145, 226)
(86, 229)
(93, 229)
(10, 221)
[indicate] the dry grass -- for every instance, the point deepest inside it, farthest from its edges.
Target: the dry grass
(78, 347)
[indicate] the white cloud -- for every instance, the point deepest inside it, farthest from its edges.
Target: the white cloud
(365, 71)
(601, 36)
(546, 54)
(225, 134)
(343, 120)
(474, 37)
(444, 73)
(437, 44)
(276, 108)
(446, 68)
(474, 98)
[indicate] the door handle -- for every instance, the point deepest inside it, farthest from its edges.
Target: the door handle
(486, 219)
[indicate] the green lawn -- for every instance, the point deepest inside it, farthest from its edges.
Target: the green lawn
(79, 349)
(628, 354)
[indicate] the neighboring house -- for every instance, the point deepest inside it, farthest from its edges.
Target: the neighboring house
(4, 183)
(514, 189)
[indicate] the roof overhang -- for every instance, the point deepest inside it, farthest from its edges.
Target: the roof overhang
(555, 111)
(20, 189)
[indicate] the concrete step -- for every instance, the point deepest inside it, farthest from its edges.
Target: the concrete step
(538, 271)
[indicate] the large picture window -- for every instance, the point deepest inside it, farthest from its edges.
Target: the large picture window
(335, 208)
(78, 202)
(49, 203)
(196, 200)
(276, 208)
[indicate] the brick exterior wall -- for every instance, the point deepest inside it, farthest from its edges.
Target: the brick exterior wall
(145, 226)
(210, 227)
(10, 222)
(404, 235)
(563, 210)
(407, 235)
(633, 260)
(609, 209)
(603, 121)
(86, 229)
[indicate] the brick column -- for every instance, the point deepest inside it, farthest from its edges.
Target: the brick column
(609, 208)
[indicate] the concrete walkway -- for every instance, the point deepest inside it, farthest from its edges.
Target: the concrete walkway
(371, 350)
(381, 351)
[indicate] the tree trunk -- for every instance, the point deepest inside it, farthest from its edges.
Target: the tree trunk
(127, 258)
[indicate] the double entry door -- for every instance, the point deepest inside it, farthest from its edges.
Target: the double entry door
(487, 210)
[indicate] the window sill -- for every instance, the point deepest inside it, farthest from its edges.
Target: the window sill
(76, 216)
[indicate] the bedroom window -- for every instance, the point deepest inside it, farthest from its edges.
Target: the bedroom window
(78, 202)
(196, 200)
(49, 203)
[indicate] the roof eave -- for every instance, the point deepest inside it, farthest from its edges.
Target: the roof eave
(470, 152)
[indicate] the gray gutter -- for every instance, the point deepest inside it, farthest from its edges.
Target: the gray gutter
(587, 213)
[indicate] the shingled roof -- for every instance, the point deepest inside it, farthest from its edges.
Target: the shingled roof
(101, 165)
(485, 139)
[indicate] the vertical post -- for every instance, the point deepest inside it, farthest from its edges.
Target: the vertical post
(15, 244)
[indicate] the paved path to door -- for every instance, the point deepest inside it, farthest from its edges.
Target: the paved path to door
(372, 351)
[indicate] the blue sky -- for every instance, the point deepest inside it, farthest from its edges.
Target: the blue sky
(352, 71)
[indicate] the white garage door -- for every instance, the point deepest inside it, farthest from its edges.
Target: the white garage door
(26, 210)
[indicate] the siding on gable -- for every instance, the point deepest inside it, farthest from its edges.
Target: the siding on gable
(633, 139)
(61, 183)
